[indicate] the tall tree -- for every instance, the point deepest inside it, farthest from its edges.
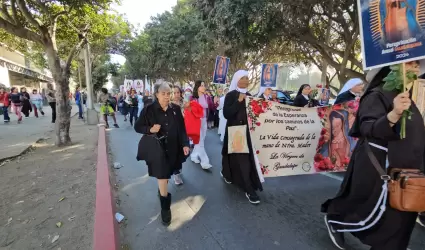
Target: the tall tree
(299, 26)
(60, 28)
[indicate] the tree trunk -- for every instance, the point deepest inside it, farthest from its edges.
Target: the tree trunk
(342, 78)
(63, 108)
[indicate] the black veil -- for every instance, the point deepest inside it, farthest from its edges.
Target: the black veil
(300, 90)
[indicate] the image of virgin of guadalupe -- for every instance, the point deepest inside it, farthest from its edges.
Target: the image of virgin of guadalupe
(338, 147)
(399, 20)
(268, 74)
(221, 69)
(324, 96)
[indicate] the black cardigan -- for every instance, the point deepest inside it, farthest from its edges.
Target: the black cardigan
(150, 117)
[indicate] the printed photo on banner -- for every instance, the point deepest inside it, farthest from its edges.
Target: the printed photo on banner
(221, 68)
(138, 85)
(128, 84)
(121, 88)
(335, 145)
(392, 31)
(268, 75)
(295, 141)
(324, 97)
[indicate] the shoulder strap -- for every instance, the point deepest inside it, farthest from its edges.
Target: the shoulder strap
(375, 162)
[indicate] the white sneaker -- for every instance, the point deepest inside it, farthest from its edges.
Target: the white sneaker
(206, 166)
(195, 160)
(178, 179)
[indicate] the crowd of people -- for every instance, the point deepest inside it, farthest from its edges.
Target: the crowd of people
(21, 103)
(175, 116)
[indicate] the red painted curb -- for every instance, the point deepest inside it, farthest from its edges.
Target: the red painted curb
(105, 235)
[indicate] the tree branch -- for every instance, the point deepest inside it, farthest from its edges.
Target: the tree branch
(20, 31)
(5, 14)
(15, 12)
(27, 14)
(54, 24)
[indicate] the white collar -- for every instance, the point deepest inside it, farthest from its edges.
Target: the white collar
(243, 91)
(306, 97)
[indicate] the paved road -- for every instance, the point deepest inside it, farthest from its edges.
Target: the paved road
(209, 214)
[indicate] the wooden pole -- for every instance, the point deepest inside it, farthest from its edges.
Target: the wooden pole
(404, 77)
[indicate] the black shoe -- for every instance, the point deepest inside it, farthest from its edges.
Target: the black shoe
(80, 118)
(42, 113)
(253, 198)
(336, 237)
(116, 126)
(421, 219)
(165, 209)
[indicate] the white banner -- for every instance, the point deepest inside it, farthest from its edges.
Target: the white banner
(293, 141)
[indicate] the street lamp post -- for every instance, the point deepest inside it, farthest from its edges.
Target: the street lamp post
(92, 116)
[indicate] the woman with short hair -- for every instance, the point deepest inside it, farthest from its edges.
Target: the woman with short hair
(164, 119)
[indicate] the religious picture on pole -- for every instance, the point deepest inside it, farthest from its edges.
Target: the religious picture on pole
(138, 85)
(392, 31)
(324, 96)
(268, 75)
(221, 68)
(128, 84)
(294, 141)
(121, 88)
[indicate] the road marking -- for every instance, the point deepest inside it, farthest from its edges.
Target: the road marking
(335, 177)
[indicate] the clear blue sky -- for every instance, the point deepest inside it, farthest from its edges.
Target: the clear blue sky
(138, 12)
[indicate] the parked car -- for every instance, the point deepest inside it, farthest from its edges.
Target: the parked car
(284, 97)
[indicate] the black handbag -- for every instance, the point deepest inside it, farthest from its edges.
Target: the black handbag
(151, 147)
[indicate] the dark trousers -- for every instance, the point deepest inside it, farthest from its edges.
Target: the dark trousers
(53, 106)
(133, 113)
(6, 113)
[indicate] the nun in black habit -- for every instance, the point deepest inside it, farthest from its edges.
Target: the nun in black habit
(302, 99)
(352, 88)
(239, 169)
(356, 208)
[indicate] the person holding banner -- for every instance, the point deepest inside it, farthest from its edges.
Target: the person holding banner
(303, 99)
(359, 207)
(199, 155)
(238, 159)
(265, 93)
(352, 89)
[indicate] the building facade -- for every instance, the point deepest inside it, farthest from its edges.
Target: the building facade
(17, 71)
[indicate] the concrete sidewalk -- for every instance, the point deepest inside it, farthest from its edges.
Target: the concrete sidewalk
(16, 138)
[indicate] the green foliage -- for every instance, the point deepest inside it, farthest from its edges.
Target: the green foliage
(394, 80)
(295, 30)
(66, 23)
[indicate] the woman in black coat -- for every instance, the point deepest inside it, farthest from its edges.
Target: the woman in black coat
(164, 120)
